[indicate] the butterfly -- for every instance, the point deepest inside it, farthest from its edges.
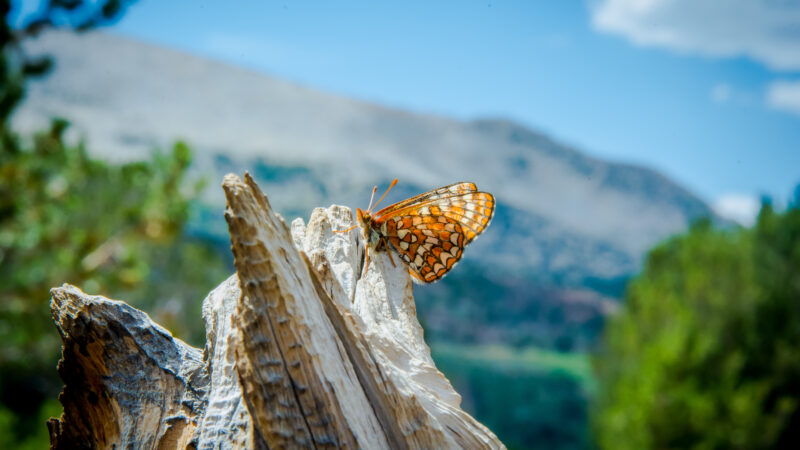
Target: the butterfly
(428, 231)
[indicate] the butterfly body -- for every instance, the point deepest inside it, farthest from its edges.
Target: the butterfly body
(429, 231)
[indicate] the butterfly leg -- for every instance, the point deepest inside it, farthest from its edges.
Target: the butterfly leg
(383, 243)
(366, 264)
(389, 252)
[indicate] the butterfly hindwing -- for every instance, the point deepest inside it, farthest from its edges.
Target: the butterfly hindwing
(430, 245)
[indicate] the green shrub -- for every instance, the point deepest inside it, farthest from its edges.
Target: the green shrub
(115, 230)
(706, 352)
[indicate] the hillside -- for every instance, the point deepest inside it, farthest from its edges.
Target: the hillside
(569, 227)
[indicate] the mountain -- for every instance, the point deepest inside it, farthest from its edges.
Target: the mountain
(569, 228)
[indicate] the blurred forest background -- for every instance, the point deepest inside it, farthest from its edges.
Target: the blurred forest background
(700, 347)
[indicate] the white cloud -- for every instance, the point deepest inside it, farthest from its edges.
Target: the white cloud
(764, 30)
(741, 208)
(784, 95)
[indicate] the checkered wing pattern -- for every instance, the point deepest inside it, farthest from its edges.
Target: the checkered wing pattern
(431, 230)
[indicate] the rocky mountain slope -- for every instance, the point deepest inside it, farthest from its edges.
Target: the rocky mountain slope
(566, 222)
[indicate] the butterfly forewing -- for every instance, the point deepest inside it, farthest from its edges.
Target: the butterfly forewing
(473, 211)
(446, 191)
(431, 230)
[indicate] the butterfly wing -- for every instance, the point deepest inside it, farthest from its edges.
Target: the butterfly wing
(473, 211)
(446, 191)
(430, 235)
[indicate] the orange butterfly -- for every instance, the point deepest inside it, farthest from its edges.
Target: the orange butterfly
(428, 231)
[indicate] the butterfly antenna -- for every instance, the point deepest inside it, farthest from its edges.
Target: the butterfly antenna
(345, 231)
(384, 194)
(374, 189)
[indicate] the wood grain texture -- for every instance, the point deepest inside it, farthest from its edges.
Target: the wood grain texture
(300, 353)
(126, 378)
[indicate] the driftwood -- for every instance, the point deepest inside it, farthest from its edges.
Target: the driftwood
(300, 352)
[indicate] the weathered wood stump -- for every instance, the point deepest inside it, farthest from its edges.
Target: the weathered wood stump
(300, 352)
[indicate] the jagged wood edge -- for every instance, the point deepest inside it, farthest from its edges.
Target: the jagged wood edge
(82, 321)
(300, 372)
(361, 357)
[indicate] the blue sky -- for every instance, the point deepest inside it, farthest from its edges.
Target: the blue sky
(706, 91)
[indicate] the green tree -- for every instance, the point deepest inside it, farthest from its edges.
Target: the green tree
(706, 352)
(115, 230)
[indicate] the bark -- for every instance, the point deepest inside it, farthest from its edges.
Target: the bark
(301, 352)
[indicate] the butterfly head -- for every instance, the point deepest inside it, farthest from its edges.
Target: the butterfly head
(364, 217)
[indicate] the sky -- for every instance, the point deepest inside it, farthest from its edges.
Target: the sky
(705, 91)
